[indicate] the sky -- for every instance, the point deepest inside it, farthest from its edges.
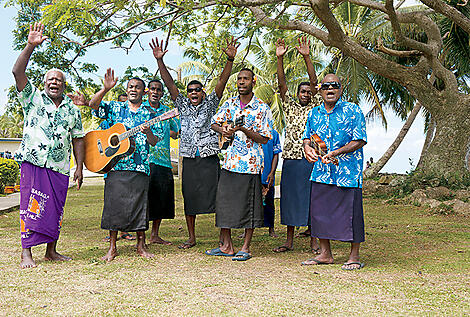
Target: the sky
(104, 56)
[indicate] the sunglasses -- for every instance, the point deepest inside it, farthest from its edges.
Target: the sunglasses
(333, 84)
(197, 89)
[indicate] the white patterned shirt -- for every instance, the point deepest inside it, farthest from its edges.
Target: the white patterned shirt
(245, 155)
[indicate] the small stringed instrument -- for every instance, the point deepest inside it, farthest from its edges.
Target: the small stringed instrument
(104, 148)
(320, 147)
(225, 142)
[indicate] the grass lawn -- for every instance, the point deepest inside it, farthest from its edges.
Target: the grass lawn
(417, 263)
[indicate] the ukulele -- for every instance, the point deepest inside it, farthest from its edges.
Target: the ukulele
(320, 147)
(104, 148)
(225, 142)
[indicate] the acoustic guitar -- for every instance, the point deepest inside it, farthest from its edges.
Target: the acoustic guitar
(319, 146)
(104, 148)
(225, 142)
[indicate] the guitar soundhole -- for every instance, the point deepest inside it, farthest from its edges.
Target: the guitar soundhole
(114, 141)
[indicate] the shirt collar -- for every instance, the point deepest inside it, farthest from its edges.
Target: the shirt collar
(250, 104)
(338, 105)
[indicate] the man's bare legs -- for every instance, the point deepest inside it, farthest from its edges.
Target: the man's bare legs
(141, 247)
(27, 259)
(154, 237)
(112, 252)
(289, 244)
(353, 260)
(247, 242)
(191, 223)
(226, 239)
(325, 256)
(53, 255)
(314, 247)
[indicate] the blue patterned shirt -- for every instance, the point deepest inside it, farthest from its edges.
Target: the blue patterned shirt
(345, 123)
(119, 112)
(270, 149)
(160, 153)
(245, 155)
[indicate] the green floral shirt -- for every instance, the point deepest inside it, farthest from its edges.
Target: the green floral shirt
(48, 130)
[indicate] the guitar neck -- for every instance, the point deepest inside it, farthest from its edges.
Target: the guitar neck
(136, 129)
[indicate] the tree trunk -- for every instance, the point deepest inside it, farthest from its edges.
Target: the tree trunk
(448, 153)
(376, 167)
(427, 141)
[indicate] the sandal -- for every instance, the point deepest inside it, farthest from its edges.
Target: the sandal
(282, 248)
(127, 236)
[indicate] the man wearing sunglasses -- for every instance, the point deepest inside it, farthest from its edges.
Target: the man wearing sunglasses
(336, 195)
(295, 184)
(199, 145)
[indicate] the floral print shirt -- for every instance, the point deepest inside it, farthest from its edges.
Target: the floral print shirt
(48, 130)
(119, 112)
(296, 117)
(196, 133)
(345, 123)
(245, 155)
(160, 153)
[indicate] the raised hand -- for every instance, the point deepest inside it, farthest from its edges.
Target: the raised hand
(35, 36)
(109, 79)
(157, 49)
(78, 99)
(304, 46)
(231, 49)
(281, 48)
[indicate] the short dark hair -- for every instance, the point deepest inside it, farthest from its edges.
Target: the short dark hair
(304, 83)
(194, 82)
(248, 70)
(139, 79)
(156, 81)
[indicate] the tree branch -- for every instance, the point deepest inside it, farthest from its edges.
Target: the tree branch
(450, 12)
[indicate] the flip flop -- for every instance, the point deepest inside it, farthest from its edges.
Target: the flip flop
(217, 252)
(316, 251)
(361, 265)
(241, 256)
(186, 245)
(127, 236)
(317, 262)
(282, 248)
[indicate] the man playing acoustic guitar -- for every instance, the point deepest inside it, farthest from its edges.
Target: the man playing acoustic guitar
(336, 195)
(126, 186)
(198, 143)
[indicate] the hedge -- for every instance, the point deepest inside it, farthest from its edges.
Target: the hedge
(9, 173)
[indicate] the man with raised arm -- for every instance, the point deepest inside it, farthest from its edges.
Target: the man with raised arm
(336, 195)
(198, 143)
(126, 185)
(51, 125)
(239, 198)
(295, 184)
(161, 188)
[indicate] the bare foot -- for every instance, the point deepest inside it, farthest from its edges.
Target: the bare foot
(272, 233)
(27, 261)
(144, 253)
(159, 240)
(54, 256)
(112, 253)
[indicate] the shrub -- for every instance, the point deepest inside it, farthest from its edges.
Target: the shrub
(9, 173)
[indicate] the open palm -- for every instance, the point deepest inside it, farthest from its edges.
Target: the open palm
(36, 36)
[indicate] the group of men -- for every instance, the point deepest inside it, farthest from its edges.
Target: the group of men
(139, 189)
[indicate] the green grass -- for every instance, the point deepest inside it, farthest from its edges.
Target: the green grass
(416, 264)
